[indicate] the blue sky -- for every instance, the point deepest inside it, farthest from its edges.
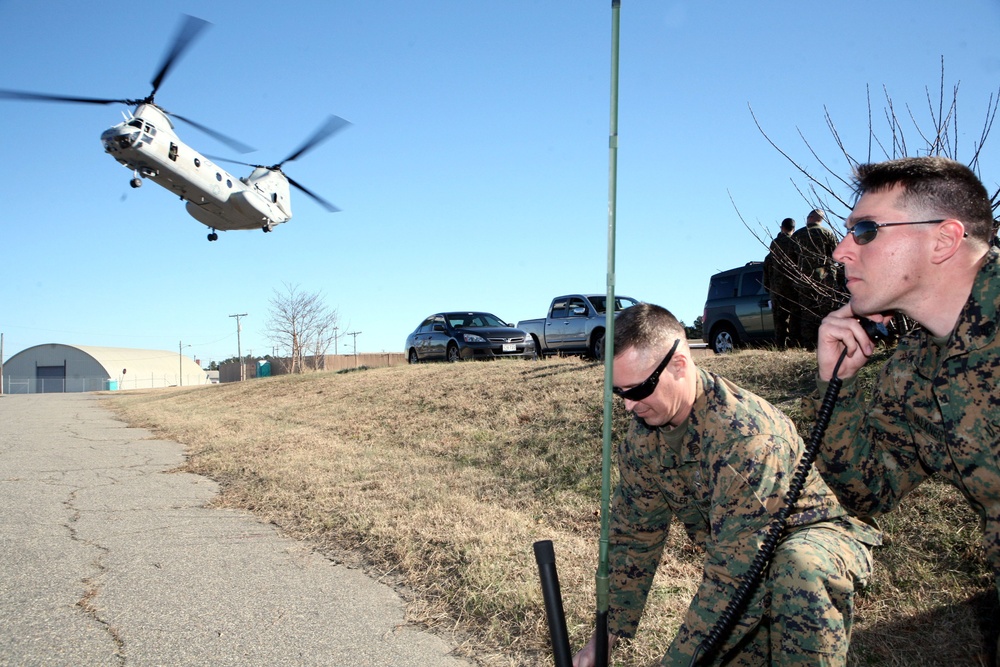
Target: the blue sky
(475, 172)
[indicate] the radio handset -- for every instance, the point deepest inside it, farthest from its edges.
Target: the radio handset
(876, 331)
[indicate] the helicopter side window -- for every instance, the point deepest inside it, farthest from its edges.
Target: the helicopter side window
(197, 162)
(172, 154)
(229, 183)
(218, 176)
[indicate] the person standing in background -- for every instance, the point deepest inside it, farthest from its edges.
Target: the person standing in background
(818, 287)
(780, 272)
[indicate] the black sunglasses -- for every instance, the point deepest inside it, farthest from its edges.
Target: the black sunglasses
(647, 386)
(865, 231)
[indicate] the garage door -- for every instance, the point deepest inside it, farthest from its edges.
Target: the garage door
(50, 379)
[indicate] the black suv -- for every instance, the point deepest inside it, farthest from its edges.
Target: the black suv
(738, 309)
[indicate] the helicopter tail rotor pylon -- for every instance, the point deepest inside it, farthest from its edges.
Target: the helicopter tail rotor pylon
(330, 126)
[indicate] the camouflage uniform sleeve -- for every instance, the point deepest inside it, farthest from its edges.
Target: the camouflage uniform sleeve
(869, 453)
(638, 526)
(749, 485)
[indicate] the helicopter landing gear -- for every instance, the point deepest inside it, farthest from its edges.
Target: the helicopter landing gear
(267, 227)
(136, 182)
(213, 236)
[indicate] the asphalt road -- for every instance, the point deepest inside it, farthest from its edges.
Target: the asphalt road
(109, 558)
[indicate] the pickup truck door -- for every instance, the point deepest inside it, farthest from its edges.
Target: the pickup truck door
(575, 328)
(555, 324)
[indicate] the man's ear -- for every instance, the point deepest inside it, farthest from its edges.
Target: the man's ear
(947, 240)
(680, 365)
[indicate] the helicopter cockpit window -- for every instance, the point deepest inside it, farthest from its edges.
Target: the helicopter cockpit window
(135, 123)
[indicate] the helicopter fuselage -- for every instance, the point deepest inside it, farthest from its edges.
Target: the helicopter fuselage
(147, 144)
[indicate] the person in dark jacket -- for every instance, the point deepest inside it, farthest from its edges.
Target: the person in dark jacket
(780, 278)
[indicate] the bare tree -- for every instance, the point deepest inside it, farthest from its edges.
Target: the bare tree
(938, 135)
(299, 323)
(904, 136)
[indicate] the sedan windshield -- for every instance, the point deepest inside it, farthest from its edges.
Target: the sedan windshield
(473, 320)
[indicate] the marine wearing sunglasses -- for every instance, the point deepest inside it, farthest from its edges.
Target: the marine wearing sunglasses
(647, 386)
(865, 231)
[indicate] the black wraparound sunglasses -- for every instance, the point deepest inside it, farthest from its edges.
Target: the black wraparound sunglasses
(865, 231)
(647, 386)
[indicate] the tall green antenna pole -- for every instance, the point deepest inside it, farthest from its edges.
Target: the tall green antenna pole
(609, 353)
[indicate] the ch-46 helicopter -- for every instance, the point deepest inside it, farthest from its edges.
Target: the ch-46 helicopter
(146, 143)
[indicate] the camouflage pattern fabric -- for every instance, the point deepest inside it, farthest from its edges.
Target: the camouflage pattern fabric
(934, 409)
(818, 270)
(816, 244)
(724, 474)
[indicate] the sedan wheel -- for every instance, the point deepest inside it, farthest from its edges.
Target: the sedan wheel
(413, 357)
(453, 354)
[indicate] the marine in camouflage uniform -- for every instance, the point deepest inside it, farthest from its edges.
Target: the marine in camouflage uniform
(720, 459)
(935, 408)
(780, 269)
(817, 276)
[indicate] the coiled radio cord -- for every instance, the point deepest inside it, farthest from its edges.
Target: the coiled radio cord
(733, 610)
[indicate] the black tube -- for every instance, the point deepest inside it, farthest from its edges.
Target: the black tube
(601, 643)
(545, 556)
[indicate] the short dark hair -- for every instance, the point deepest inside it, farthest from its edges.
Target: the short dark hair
(788, 223)
(646, 326)
(941, 186)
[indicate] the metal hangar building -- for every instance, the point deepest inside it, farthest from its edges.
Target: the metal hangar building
(54, 367)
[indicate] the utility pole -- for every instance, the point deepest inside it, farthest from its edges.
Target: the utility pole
(1, 364)
(355, 334)
(180, 364)
(335, 336)
(239, 350)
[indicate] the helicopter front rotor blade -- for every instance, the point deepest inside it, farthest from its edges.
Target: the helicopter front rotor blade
(331, 126)
(45, 97)
(190, 29)
(216, 158)
(319, 200)
(236, 145)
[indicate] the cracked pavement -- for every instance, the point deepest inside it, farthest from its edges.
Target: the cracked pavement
(109, 558)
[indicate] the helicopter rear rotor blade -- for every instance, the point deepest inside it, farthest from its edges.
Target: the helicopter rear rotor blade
(188, 31)
(331, 126)
(319, 200)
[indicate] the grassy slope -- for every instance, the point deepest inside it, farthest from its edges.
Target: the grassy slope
(442, 476)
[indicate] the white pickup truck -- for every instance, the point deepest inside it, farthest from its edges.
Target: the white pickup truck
(575, 325)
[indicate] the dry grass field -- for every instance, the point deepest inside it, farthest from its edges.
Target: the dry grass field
(439, 478)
